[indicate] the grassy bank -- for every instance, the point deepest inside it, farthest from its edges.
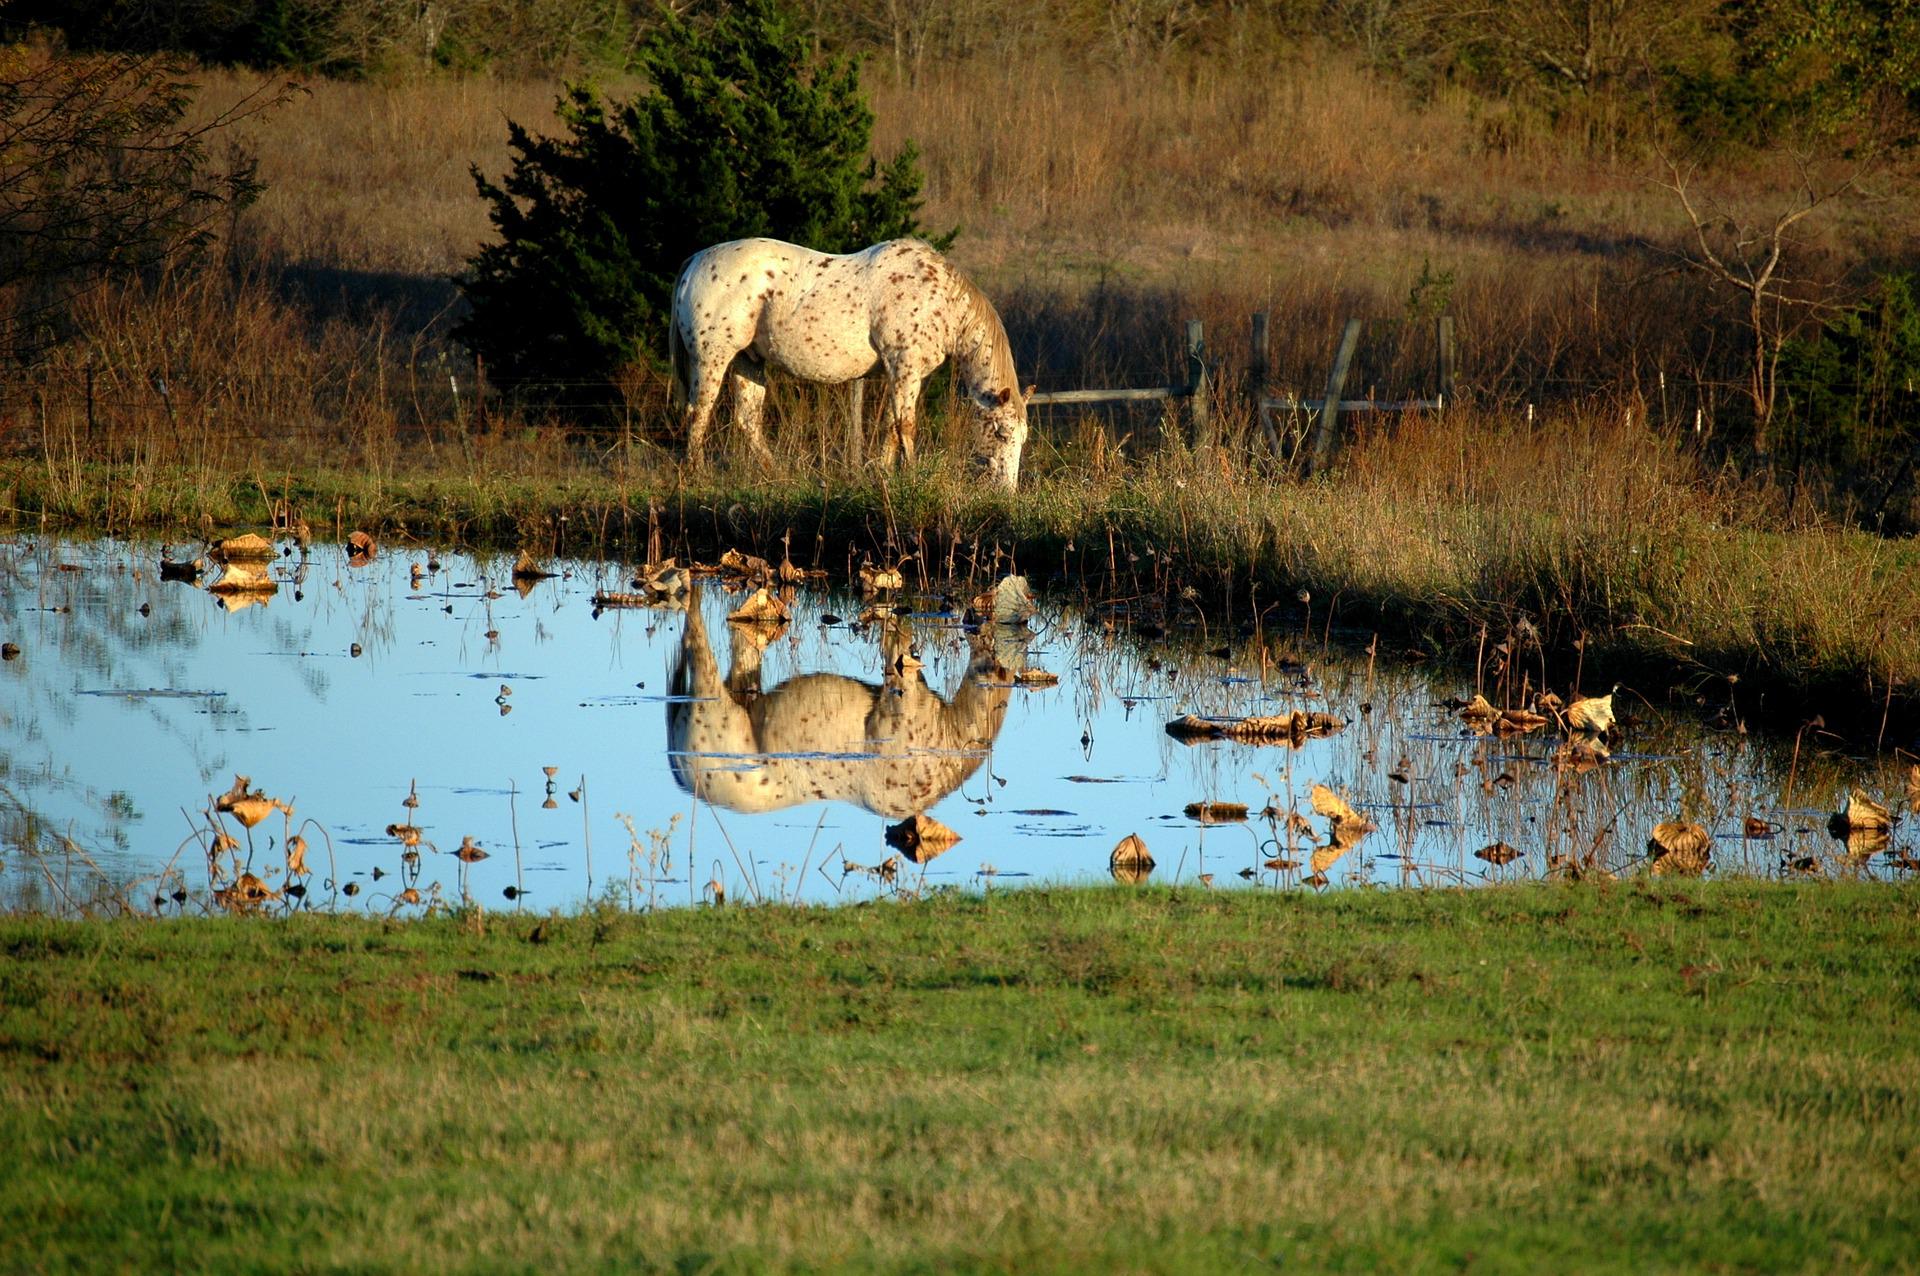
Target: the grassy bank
(1712, 1075)
(1673, 576)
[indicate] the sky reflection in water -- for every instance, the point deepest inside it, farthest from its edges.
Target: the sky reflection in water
(117, 728)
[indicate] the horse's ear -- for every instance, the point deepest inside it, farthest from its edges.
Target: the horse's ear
(1006, 393)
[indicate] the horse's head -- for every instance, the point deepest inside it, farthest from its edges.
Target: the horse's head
(1002, 435)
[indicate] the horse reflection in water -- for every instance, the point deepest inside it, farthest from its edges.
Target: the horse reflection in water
(895, 747)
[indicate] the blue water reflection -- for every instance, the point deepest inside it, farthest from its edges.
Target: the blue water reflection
(643, 754)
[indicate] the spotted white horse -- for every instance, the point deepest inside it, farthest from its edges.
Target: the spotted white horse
(745, 305)
(894, 748)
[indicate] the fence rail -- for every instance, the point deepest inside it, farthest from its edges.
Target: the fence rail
(1196, 391)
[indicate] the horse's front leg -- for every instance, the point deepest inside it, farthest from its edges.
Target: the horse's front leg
(902, 397)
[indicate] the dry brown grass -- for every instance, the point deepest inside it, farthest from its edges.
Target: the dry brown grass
(1102, 206)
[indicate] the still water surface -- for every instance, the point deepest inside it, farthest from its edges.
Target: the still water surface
(648, 754)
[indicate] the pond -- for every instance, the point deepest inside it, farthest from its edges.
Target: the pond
(392, 709)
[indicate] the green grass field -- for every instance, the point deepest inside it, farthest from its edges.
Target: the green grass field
(1648, 1076)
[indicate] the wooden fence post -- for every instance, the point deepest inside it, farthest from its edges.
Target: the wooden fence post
(1257, 375)
(856, 420)
(1197, 386)
(1443, 359)
(1330, 408)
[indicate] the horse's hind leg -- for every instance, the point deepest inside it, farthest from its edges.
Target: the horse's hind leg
(703, 393)
(749, 406)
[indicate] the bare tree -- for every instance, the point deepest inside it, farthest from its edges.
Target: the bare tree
(1757, 253)
(100, 173)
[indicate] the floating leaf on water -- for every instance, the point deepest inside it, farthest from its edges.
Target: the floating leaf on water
(247, 893)
(1591, 715)
(751, 566)
(1009, 602)
(1283, 728)
(760, 608)
(1281, 864)
(1189, 727)
(1324, 858)
(246, 545)
(1680, 848)
(1859, 813)
(604, 599)
(1865, 841)
(526, 567)
(238, 579)
(1498, 853)
(1131, 861)
(1755, 827)
(1036, 678)
(1334, 807)
(469, 851)
(875, 580)
(666, 579)
(360, 549)
(921, 837)
(1216, 812)
(1580, 755)
(1518, 722)
(188, 571)
(1478, 711)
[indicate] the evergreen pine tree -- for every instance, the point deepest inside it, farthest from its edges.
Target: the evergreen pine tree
(742, 133)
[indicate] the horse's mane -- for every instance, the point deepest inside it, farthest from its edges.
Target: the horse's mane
(984, 317)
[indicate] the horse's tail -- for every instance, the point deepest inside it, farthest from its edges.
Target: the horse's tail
(677, 361)
(676, 344)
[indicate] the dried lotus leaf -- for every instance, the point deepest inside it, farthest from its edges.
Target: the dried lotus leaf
(1680, 848)
(760, 608)
(921, 837)
(1216, 812)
